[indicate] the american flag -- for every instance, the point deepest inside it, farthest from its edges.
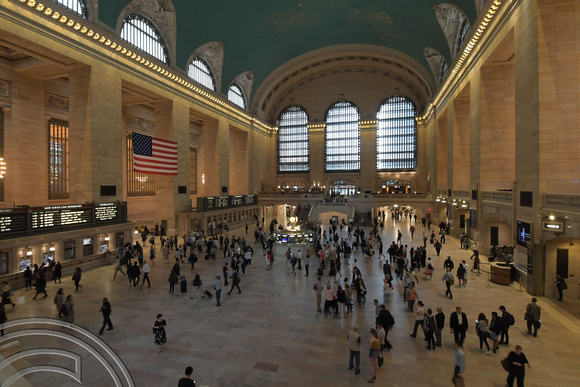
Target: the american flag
(154, 155)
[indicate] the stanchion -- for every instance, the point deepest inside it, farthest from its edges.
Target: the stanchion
(520, 281)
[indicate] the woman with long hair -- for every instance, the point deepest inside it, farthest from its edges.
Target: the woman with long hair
(374, 352)
(482, 330)
(159, 331)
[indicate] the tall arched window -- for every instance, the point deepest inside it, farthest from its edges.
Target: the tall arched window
(200, 72)
(142, 34)
(342, 138)
(76, 6)
(293, 141)
(397, 135)
(236, 95)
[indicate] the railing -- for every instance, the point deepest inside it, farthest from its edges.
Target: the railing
(497, 196)
(561, 201)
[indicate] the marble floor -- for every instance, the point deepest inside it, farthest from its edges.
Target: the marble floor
(271, 334)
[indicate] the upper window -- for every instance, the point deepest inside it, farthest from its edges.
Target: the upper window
(293, 138)
(236, 95)
(397, 135)
(342, 138)
(142, 34)
(76, 6)
(200, 72)
(58, 159)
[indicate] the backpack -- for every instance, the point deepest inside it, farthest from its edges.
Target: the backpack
(429, 323)
(511, 319)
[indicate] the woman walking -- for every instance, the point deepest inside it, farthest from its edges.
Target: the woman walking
(482, 330)
(6, 294)
(68, 309)
(374, 352)
(172, 281)
(59, 300)
(77, 275)
(159, 330)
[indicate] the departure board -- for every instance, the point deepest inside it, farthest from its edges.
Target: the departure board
(13, 220)
(106, 212)
(60, 216)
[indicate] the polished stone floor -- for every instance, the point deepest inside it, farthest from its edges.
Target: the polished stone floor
(271, 335)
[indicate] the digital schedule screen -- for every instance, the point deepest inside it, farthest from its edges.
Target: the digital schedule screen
(13, 220)
(59, 216)
(106, 212)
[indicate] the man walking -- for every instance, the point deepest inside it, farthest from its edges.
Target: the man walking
(459, 365)
(354, 342)
(533, 313)
(146, 274)
(235, 282)
(458, 325)
(217, 285)
(318, 289)
(119, 268)
(106, 311)
(440, 321)
(448, 279)
(306, 264)
(507, 320)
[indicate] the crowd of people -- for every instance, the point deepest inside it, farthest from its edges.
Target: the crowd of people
(343, 293)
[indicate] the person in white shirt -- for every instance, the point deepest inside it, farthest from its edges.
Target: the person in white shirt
(146, 274)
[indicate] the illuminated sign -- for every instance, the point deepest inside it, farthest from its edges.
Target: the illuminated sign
(552, 226)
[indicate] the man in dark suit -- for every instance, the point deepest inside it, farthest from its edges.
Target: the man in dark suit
(458, 324)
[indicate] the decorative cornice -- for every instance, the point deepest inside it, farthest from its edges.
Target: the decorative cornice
(56, 102)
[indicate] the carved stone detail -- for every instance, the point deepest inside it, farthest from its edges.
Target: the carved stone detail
(314, 62)
(437, 62)
(139, 123)
(161, 13)
(245, 80)
(454, 23)
(4, 89)
(56, 102)
(213, 54)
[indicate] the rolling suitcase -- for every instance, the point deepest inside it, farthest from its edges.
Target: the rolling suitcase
(183, 284)
(207, 293)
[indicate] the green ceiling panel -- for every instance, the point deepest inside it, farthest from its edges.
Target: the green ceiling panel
(261, 35)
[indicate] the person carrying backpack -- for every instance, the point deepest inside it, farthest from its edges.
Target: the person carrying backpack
(430, 328)
(508, 320)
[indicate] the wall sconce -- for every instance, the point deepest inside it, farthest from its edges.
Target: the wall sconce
(28, 251)
(552, 217)
(51, 248)
(135, 232)
(454, 203)
(107, 237)
(438, 199)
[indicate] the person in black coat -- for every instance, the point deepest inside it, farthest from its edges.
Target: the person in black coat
(106, 311)
(177, 269)
(440, 320)
(57, 272)
(235, 282)
(458, 325)
(385, 318)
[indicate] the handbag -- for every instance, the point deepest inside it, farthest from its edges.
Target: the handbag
(505, 363)
(563, 285)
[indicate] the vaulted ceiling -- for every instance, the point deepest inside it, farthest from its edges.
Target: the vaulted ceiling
(264, 36)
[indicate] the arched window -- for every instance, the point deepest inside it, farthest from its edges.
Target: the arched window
(142, 34)
(397, 135)
(293, 141)
(236, 95)
(76, 6)
(342, 138)
(200, 72)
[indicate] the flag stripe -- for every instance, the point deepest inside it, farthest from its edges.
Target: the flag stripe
(154, 155)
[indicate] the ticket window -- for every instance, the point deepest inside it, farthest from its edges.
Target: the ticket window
(47, 258)
(3, 262)
(104, 246)
(68, 250)
(87, 247)
(24, 262)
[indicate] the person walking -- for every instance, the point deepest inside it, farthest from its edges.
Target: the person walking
(411, 296)
(306, 264)
(507, 321)
(159, 331)
(532, 316)
(68, 309)
(146, 271)
(235, 282)
(495, 329)
(77, 275)
(437, 246)
(3, 319)
(59, 300)
(217, 285)
(430, 325)
(440, 324)
(57, 272)
(135, 273)
(354, 342)
(374, 352)
(482, 331)
(28, 278)
(119, 268)
(197, 286)
(458, 325)
(449, 280)
(7, 294)
(560, 285)
(106, 311)
(459, 365)
(517, 359)
(40, 283)
(186, 380)
(172, 281)
(419, 318)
